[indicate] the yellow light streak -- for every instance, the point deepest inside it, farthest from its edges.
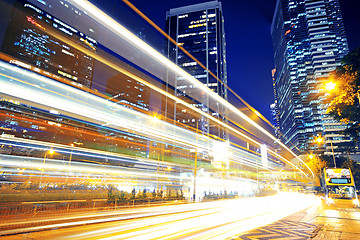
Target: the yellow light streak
(131, 38)
(184, 103)
(220, 220)
(179, 45)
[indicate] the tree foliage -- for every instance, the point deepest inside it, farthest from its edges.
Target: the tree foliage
(345, 107)
(316, 164)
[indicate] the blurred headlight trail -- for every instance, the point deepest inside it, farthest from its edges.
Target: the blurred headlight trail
(212, 220)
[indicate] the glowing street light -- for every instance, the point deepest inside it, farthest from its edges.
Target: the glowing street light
(51, 152)
(319, 139)
(156, 118)
(330, 86)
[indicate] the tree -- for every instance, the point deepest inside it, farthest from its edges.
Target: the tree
(355, 169)
(133, 193)
(143, 194)
(345, 107)
(316, 164)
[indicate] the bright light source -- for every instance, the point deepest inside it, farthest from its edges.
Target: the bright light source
(155, 118)
(329, 201)
(330, 86)
(319, 139)
(311, 156)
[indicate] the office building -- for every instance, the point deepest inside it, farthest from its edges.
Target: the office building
(45, 44)
(308, 42)
(199, 29)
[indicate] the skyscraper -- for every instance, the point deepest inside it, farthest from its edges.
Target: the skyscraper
(308, 42)
(199, 29)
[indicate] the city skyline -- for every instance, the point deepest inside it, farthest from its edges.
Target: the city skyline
(250, 59)
(130, 134)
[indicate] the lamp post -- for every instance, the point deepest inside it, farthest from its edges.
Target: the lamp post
(159, 150)
(195, 160)
(332, 149)
(71, 152)
(50, 152)
(72, 148)
(330, 86)
(320, 139)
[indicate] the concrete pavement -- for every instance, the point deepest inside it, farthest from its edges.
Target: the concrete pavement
(340, 220)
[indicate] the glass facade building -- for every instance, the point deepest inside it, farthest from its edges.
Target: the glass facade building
(199, 29)
(33, 38)
(309, 42)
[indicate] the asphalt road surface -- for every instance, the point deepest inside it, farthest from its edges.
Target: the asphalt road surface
(212, 220)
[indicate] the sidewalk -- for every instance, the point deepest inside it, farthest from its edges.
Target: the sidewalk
(318, 223)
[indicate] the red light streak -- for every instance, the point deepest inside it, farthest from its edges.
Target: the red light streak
(30, 19)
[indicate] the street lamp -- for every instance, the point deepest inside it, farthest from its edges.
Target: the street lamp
(156, 118)
(51, 151)
(332, 149)
(195, 160)
(330, 86)
(71, 152)
(320, 139)
(72, 148)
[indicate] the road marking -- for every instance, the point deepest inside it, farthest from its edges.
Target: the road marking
(281, 230)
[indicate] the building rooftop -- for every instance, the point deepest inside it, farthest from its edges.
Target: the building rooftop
(193, 8)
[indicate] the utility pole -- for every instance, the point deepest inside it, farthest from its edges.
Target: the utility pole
(195, 160)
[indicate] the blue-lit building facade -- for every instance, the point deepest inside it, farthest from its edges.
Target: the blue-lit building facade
(308, 42)
(199, 29)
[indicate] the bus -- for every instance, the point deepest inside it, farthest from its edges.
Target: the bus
(338, 183)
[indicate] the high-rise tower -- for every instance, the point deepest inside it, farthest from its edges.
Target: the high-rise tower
(308, 42)
(199, 29)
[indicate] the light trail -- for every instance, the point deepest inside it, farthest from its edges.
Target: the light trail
(238, 156)
(46, 92)
(213, 220)
(93, 107)
(110, 23)
(89, 111)
(58, 165)
(168, 131)
(143, 170)
(197, 61)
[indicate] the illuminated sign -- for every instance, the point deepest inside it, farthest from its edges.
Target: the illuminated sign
(336, 176)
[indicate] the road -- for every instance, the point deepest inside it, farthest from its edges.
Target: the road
(212, 220)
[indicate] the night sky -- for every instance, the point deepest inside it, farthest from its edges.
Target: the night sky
(248, 39)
